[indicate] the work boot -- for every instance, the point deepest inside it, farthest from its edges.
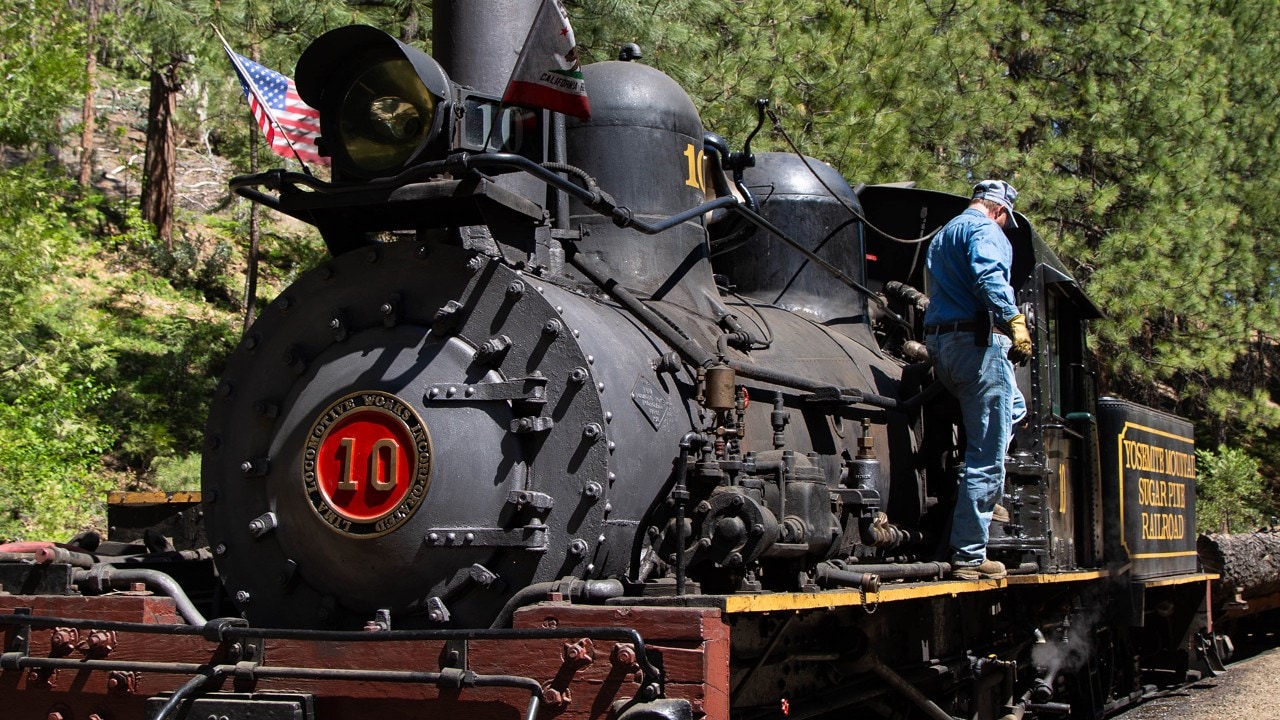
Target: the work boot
(1000, 514)
(988, 570)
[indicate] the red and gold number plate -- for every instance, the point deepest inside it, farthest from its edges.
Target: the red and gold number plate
(367, 464)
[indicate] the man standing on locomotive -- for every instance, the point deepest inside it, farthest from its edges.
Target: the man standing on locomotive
(973, 330)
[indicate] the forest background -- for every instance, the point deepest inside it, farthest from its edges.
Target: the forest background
(1142, 134)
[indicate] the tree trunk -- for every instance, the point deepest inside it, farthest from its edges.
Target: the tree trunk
(159, 167)
(1248, 561)
(88, 114)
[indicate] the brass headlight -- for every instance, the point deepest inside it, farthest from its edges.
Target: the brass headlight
(383, 105)
(385, 117)
(386, 106)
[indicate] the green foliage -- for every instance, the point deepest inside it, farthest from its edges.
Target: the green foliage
(51, 439)
(50, 449)
(188, 263)
(41, 50)
(96, 364)
(165, 371)
(177, 473)
(33, 235)
(1230, 492)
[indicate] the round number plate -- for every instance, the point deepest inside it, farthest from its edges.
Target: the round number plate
(367, 464)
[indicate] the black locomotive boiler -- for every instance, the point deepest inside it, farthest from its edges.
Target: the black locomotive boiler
(601, 418)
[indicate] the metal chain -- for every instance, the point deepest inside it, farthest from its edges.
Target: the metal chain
(870, 610)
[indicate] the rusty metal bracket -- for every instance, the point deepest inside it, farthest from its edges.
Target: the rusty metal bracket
(454, 654)
(21, 642)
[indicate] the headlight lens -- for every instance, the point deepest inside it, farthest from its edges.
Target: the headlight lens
(386, 117)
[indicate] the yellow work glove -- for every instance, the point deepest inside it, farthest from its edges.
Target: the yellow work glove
(1021, 349)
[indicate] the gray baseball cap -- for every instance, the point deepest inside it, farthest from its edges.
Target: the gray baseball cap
(999, 191)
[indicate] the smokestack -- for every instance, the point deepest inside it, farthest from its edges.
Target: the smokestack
(477, 43)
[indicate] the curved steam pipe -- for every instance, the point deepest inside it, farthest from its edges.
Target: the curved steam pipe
(103, 578)
(589, 590)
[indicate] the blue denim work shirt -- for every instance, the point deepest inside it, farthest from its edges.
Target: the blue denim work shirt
(970, 262)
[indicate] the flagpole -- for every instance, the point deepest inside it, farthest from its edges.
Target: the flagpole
(257, 94)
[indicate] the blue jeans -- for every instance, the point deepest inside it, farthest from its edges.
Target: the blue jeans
(982, 380)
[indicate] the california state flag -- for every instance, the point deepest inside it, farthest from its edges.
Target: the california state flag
(547, 73)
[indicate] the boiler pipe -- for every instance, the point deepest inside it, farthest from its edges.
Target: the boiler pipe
(903, 571)
(827, 575)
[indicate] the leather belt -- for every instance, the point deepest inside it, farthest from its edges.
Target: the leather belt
(963, 326)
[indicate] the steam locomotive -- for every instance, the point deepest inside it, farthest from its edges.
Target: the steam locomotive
(599, 418)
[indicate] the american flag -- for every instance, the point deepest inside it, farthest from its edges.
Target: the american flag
(290, 125)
